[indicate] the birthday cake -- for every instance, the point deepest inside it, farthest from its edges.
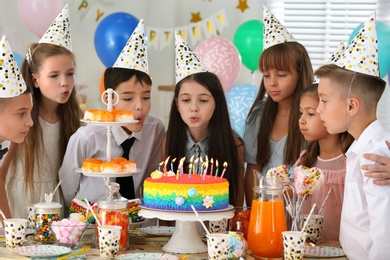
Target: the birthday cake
(179, 193)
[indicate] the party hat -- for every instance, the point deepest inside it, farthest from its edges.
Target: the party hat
(273, 31)
(11, 80)
(187, 62)
(134, 54)
(59, 31)
(361, 55)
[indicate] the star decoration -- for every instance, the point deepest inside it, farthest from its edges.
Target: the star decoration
(195, 17)
(208, 201)
(242, 5)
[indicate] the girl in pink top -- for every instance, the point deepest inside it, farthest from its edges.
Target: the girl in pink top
(325, 151)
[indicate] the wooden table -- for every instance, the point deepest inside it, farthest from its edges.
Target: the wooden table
(139, 242)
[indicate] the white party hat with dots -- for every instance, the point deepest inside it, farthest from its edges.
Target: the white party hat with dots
(11, 81)
(273, 31)
(361, 55)
(59, 31)
(187, 62)
(134, 54)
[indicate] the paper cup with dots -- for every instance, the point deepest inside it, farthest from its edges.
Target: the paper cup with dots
(218, 245)
(294, 244)
(219, 226)
(15, 232)
(109, 237)
(313, 227)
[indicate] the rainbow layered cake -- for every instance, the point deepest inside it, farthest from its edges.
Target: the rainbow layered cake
(170, 192)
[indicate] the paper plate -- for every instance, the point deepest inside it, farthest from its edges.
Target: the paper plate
(148, 256)
(161, 231)
(323, 251)
(41, 250)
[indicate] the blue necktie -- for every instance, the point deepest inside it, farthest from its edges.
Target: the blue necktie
(127, 183)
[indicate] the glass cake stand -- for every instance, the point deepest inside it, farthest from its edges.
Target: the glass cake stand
(185, 238)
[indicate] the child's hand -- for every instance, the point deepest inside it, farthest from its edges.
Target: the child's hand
(379, 170)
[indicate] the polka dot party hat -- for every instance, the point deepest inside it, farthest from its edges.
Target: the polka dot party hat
(59, 31)
(361, 55)
(134, 54)
(187, 62)
(273, 31)
(11, 80)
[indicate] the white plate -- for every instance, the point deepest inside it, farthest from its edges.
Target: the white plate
(136, 224)
(148, 256)
(41, 250)
(109, 123)
(161, 231)
(108, 174)
(323, 251)
(28, 232)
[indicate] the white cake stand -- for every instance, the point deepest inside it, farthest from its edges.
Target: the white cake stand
(185, 238)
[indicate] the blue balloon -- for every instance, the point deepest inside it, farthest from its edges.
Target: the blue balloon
(18, 59)
(383, 37)
(111, 36)
(240, 99)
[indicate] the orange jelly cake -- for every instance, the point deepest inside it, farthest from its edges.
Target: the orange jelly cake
(91, 165)
(123, 116)
(98, 115)
(110, 167)
(126, 165)
(178, 194)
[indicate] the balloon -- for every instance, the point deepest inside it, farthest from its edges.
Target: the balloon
(248, 39)
(222, 58)
(240, 99)
(38, 15)
(383, 34)
(111, 36)
(19, 59)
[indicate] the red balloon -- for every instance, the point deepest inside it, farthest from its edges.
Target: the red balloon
(222, 58)
(38, 15)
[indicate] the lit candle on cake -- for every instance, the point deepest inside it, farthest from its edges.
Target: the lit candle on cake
(189, 171)
(196, 167)
(224, 169)
(205, 169)
(212, 164)
(172, 163)
(165, 166)
(181, 165)
(216, 169)
(201, 165)
(159, 166)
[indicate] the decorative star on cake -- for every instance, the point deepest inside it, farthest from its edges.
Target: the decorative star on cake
(208, 202)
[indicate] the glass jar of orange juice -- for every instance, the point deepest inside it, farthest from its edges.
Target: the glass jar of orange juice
(267, 220)
(113, 210)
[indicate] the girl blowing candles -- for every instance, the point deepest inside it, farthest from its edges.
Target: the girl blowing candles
(325, 151)
(49, 70)
(274, 139)
(199, 123)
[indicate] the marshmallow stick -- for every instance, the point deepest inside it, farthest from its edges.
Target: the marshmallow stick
(323, 203)
(2, 214)
(308, 217)
(200, 220)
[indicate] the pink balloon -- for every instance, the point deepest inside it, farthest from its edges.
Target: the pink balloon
(38, 15)
(222, 58)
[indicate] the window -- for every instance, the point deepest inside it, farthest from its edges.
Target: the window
(320, 25)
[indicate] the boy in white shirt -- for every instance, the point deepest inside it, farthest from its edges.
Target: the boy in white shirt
(15, 114)
(352, 84)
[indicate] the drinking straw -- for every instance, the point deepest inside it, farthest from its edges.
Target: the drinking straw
(200, 220)
(93, 213)
(308, 217)
(2, 214)
(56, 188)
(323, 203)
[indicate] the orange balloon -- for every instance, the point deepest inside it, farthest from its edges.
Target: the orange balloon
(102, 88)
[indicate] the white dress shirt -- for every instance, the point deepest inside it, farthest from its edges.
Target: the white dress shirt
(91, 142)
(365, 221)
